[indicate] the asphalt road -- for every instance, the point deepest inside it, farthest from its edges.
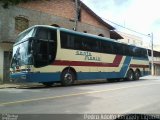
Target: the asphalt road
(141, 96)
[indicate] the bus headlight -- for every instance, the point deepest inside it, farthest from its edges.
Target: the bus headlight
(28, 68)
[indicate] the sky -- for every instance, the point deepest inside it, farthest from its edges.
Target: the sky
(139, 15)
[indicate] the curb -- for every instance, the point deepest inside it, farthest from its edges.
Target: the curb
(27, 85)
(3, 86)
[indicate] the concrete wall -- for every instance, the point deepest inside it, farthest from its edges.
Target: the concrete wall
(43, 13)
(62, 8)
(65, 11)
(91, 25)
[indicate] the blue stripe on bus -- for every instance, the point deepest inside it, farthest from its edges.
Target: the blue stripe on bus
(125, 67)
(35, 77)
(104, 75)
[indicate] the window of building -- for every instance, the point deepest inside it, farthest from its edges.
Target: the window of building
(128, 40)
(55, 25)
(79, 15)
(21, 23)
(101, 35)
(79, 11)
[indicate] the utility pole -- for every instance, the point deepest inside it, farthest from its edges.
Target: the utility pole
(76, 15)
(152, 57)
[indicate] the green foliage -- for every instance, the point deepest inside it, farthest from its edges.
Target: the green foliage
(6, 3)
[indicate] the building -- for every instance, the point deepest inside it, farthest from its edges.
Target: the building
(135, 40)
(156, 47)
(59, 13)
(156, 61)
(131, 39)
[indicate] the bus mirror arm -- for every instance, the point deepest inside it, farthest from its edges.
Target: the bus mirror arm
(34, 47)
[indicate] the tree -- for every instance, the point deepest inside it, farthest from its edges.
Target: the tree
(6, 3)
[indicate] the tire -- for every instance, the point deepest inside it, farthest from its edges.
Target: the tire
(137, 75)
(48, 84)
(130, 75)
(67, 77)
(110, 80)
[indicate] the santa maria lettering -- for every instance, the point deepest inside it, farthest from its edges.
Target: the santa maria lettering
(88, 55)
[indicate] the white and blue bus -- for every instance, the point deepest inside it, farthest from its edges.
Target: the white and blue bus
(48, 55)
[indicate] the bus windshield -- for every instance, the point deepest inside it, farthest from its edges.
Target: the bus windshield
(21, 52)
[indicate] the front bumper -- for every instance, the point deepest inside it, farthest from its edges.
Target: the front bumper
(24, 77)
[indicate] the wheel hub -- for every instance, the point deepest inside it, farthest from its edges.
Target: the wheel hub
(68, 77)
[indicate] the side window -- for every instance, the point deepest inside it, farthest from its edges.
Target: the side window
(138, 52)
(42, 33)
(115, 48)
(67, 40)
(46, 34)
(64, 40)
(133, 51)
(129, 51)
(144, 52)
(126, 50)
(78, 42)
(107, 47)
(96, 46)
(90, 44)
(120, 49)
(149, 52)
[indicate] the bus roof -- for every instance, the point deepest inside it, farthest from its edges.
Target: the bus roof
(69, 31)
(79, 33)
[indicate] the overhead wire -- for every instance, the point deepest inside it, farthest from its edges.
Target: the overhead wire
(125, 27)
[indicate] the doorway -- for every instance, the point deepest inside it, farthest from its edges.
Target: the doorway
(6, 66)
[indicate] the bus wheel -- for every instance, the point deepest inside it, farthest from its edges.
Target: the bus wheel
(67, 77)
(130, 75)
(48, 84)
(137, 75)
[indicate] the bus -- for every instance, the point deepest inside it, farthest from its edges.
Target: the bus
(46, 54)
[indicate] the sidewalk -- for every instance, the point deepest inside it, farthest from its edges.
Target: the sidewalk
(9, 85)
(21, 85)
(151, 77)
